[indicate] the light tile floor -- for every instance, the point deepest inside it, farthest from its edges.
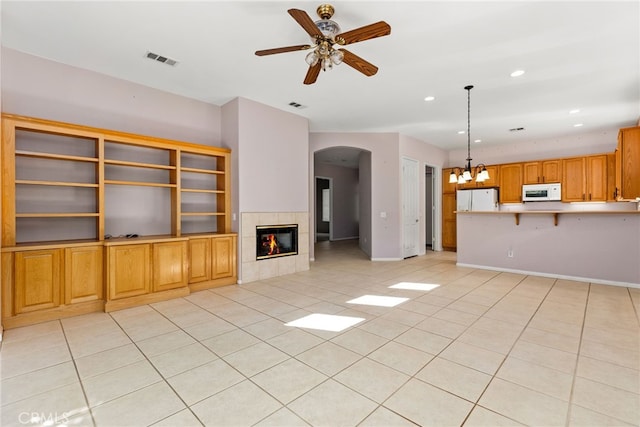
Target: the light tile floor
(482, 349)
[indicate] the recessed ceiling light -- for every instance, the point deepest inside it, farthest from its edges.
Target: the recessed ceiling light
(430, 98)
(477, 140)
(574, 111)
(461, 132)
(517, 73)
(577, 125)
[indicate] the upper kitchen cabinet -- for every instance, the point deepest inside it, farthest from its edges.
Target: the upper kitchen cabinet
(584, 179)
(511, 183)
(628, 164)
(494, 177)
(542, 172)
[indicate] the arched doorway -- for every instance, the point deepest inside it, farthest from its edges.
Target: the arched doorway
(342, 186)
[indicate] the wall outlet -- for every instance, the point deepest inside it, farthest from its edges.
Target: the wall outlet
(510, 253)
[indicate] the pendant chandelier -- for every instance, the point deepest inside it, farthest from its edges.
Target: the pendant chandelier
(459, 175)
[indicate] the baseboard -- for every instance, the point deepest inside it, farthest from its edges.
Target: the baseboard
(553, 276)
(387, 259)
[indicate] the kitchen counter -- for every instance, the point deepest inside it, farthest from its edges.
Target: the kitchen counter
(554, 213)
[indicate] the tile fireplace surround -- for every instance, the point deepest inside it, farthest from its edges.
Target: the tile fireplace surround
(252, 269)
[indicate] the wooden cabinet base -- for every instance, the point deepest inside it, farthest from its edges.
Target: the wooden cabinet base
(60, 312)
(120, 304)
(201, 286)
(53, 281)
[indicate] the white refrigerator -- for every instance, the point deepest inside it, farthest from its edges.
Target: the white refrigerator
(482, 199)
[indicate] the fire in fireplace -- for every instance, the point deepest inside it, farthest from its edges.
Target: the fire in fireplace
(276, 241)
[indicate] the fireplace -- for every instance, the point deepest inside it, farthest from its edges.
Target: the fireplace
(276, 241)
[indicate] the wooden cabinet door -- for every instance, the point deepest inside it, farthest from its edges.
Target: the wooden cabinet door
(611, 177)
(573, 180)
(38, 280)
(551, 171)
(449, 226)
(628, 167)
(494, 176)
(83, 274)
(223, 257)
(129, 270)
(596, 178)
(199, 260)
(511, 183)
(170, 265)
(448, 187)
(531, 173)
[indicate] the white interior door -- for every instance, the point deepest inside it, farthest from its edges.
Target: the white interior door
(410, 207)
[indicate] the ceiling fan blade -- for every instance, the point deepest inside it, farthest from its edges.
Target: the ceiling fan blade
(359, 64)
(282, 49)
(305, 22)
(367, 32)
(312, 74)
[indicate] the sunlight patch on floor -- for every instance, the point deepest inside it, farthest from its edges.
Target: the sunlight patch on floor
(413, 286)
(325, 322)
(378, 300)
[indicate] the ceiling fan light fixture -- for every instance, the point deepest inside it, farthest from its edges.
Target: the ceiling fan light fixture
(326, 33)
(330, 29)
(312, 58)
(336, 57)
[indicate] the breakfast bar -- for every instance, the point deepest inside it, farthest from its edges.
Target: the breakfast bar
(598, 246)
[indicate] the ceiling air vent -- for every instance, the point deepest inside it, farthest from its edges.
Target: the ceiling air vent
(297, 105)
(161, 58)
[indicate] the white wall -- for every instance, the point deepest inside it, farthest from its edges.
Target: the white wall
(37, 87)
(602, 248)
(273, 151)
(569, 146)
(364, 179)
(230, 135)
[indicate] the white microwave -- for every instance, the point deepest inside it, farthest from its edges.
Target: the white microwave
(541, 192)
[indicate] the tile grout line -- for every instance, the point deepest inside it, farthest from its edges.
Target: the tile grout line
(476, 403)
(75, 366)
(163, 379)
(575, 369)
(413, 377)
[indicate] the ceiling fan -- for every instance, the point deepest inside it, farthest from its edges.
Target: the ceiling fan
(326, 33)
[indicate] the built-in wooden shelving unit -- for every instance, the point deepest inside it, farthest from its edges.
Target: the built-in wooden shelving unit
(67, 196)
